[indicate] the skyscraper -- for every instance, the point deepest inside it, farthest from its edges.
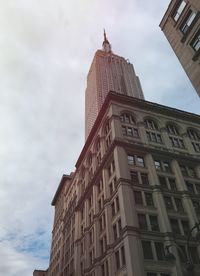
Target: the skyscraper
(108, 72)
(134, 195)
(181, 26)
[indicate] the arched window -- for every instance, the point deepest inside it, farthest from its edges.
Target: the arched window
(151, 124)
(195, 137)
(193, 134)
(152, 132)
(127, 118)
(172, 129)
(127, 125)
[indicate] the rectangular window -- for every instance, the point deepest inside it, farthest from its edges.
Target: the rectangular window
(131, 160)
(163, 182)
(123, 256)
(190, 187)
(138, 197)
(157, 165)
(195, 43)
(179, 205)
(147, 250)
(154, 223)
(142, 221)
(140, 161)
(194, 254)
(168, 203)
(175, 226)
(196, 147)
(144, 178)
(188, 21)
(160, 251)
(117, 260)
(115, 231)
(179, 10)
(172, 184)
(149, 199)
(186, 227)
(134, 177)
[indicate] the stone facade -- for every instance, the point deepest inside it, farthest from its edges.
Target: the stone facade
(181, 26)
(135, 190)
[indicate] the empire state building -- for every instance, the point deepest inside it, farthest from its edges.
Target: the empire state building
(108, 72)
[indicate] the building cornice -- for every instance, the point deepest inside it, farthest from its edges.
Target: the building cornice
(145, 105)
(60, 186)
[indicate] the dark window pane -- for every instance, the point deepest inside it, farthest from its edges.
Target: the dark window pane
(168, 203)
(179, 205)
(134, 177)
(172, 184)
(175, 226)
(144, 178)
(160, 251)
(140, 161)
(163, 182)
(154, 223)
(117, 259)
(149, 199)
(123, 256)
(186, 227)
(142, 221)
(138, 197)
(194, 255)
(147, 250)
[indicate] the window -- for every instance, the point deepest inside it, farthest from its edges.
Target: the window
(196, 205)
(149, 199)
(177, 143)
(147, 250)
(195, 43)
(160, 251)
(115, 206)
(163, 182)
(127, 118)
(168, 203)
(178, 204)
(172, 129)
(196, 146)
(138, 197)
(187, 21)
(154, 223)
(144, 179)
(136, 160)
(172, 184)
(175, 226)
(120, 257)
(140, 161)
(134, 177)
(150, 124)
(130, 131)
(190, 187)
(154, 137)
(188, 171)
(179, 10)
(142, 222)
(157, 165)
(193, 134)
(162, 166)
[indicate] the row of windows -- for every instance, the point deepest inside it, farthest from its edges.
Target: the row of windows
(160, 165)
(150, 124)
(156, 137)
(155, 251)
(187, 23)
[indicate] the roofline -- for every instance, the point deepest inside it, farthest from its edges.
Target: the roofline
(60, 186)
(164, 19)
(137, 102)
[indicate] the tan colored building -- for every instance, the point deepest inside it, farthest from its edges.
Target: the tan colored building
(40, 273)
(181, 26)
(135, 191)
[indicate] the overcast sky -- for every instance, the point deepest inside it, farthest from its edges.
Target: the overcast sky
(46, 48)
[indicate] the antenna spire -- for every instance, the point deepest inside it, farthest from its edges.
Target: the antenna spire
(106, 44)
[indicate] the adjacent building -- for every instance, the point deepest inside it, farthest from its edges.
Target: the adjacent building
(181, 26)
(136, 187)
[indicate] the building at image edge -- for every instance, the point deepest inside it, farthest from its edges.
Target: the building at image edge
(135, 190)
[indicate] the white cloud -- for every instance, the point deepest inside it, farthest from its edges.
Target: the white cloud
(46, 50)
